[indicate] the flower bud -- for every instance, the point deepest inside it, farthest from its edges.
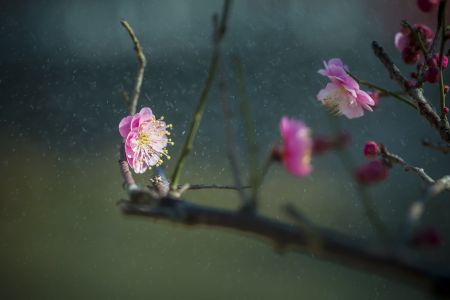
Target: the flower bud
(373, 172)
(445, 110)
(427, 5)
(371, 150)
(432, 75)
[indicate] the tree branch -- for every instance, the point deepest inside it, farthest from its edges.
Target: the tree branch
(415, 93)
(444, 148)
(333, 246)
(140, 73)
(392, 159)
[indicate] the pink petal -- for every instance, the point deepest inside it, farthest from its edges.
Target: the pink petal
(401, 41)
(124, 126)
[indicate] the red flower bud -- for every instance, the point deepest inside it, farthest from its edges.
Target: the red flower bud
(446, 88)
(445, 110)
(372, 172)
(427, 5)
(432, 75)
(371, 150)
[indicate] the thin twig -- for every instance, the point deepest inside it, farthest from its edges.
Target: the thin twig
(442, 22)
(214, 186)
(392, 158)
(140, 73)
(384, 91)
(231, 144)
(249, 128)
(218, 34)
(333, 245)
(415, 93)
(441, 147)
(129, 183)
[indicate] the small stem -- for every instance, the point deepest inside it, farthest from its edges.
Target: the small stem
(140, 73)
(252, 149)
(391, 158)
(214, 186)
(230, 141)
(385, 91)
(218, 33)
(442, 23)
(129, 183)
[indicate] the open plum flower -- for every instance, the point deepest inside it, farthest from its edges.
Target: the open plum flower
(145, 139)
(343, 95)
(297, 147)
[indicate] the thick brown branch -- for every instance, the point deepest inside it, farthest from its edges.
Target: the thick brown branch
(392, 158)
(415, 93)
(333, 246)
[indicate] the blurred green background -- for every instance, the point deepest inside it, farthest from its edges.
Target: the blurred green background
(63, 66)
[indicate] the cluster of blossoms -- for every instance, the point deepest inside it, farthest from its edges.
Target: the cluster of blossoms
(342, 94)
(145, 139)
(406, 42)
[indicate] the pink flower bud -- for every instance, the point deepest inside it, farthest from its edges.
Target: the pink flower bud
(371, 150)
(445, 110)
(446, 88)
(427, 5)
(372, 172)
(432, 75)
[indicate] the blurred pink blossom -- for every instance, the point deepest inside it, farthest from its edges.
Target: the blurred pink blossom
(342, 95)
(371, 172)
(297, 146)
(145, 139)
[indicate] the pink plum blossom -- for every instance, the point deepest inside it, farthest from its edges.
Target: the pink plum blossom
(297, 147)
(343, 95)
(145, 139)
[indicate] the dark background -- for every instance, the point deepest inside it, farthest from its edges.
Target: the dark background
(63, 66)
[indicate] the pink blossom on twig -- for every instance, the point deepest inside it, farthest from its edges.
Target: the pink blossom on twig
(145, 139)
(342, 95)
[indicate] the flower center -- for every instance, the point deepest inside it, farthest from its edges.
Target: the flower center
(144, 138)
